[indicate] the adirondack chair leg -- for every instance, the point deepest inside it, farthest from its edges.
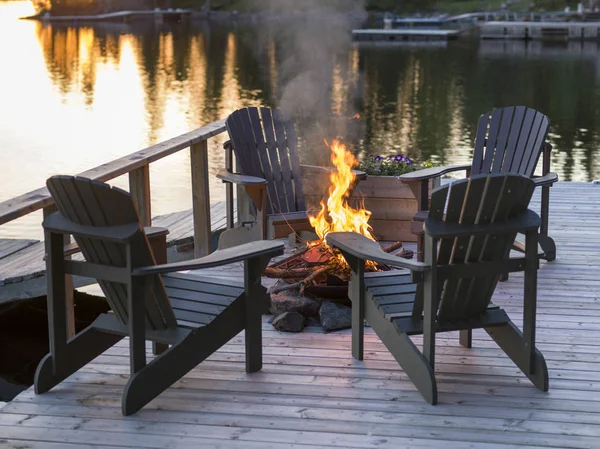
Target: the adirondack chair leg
(465, 338)
(357, 296)
(253, 270)
(408, 356)
(511, 341)
(179, 359)
(137, 322)
(520, 346)
(430, 295)
(78, 352)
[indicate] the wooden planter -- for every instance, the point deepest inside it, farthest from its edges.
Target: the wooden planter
(391, 202)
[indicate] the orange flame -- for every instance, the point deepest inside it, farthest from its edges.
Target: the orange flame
(335, 214)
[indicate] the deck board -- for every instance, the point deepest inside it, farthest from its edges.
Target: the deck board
(312, 393)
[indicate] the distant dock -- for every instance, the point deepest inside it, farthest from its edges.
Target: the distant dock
(405, 34)
(541, 30)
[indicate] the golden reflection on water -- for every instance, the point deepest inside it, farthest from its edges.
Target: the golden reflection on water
(72, 98)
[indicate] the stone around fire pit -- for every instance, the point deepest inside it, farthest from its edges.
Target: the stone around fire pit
(289, 322)
(294, 302)
(335, 316)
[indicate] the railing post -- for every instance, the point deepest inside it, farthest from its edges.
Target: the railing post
(200, 199)
(139, 187)
(69, 290)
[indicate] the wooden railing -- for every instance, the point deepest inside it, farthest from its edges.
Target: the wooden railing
(137, 166)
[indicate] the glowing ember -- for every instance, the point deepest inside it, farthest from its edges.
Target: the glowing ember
(335, 214)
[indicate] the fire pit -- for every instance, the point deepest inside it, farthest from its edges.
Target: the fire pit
(317, 270)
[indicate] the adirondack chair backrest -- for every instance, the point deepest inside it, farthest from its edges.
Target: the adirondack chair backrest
(509, 140)
(94, 203)
(265, 145)
(480, 199)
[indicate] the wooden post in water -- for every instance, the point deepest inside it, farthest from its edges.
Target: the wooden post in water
(139, 187)
(200, 199)
(69, 290)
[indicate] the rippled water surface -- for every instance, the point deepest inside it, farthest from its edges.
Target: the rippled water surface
(74, 97)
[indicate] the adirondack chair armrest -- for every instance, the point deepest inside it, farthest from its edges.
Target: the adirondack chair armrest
(252, 250)
(244, 180)
(432, 173)
(547, 180)
(121, 234)
(363, 248)
(521, 223)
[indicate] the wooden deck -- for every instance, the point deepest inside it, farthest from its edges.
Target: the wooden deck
(311, 393)
(22, 266)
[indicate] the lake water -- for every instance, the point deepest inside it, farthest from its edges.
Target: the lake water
(72, 98)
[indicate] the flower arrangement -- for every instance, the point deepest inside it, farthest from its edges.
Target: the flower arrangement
(390, 166)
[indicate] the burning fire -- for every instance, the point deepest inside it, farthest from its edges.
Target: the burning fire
(335, 214)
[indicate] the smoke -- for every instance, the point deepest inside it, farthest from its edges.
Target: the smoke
(308, 48)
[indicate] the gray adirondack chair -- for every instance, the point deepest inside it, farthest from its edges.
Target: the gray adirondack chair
(452, 289)
(194, 315)
(508, 140)
(266, 153)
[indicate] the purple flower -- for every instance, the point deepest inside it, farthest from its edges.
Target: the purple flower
(378, 158)
(390, 158)
(408, 161)
(399, 158)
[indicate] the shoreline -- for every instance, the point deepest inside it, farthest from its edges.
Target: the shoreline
(199, 15)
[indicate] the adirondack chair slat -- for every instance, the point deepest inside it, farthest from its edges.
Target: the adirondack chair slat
(482, 127)
(501, 143)
(492, 138)
(396, 299)
(284, 160)
(199, 318)
(281, 205)
(195, 306)
(392, 289)
(195, 286)
(513, 138)
(292, 142)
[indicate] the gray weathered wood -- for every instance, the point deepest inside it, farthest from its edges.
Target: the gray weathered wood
(200, 198)
(139, 187)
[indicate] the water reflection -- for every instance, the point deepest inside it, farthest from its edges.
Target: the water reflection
(75, 97)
